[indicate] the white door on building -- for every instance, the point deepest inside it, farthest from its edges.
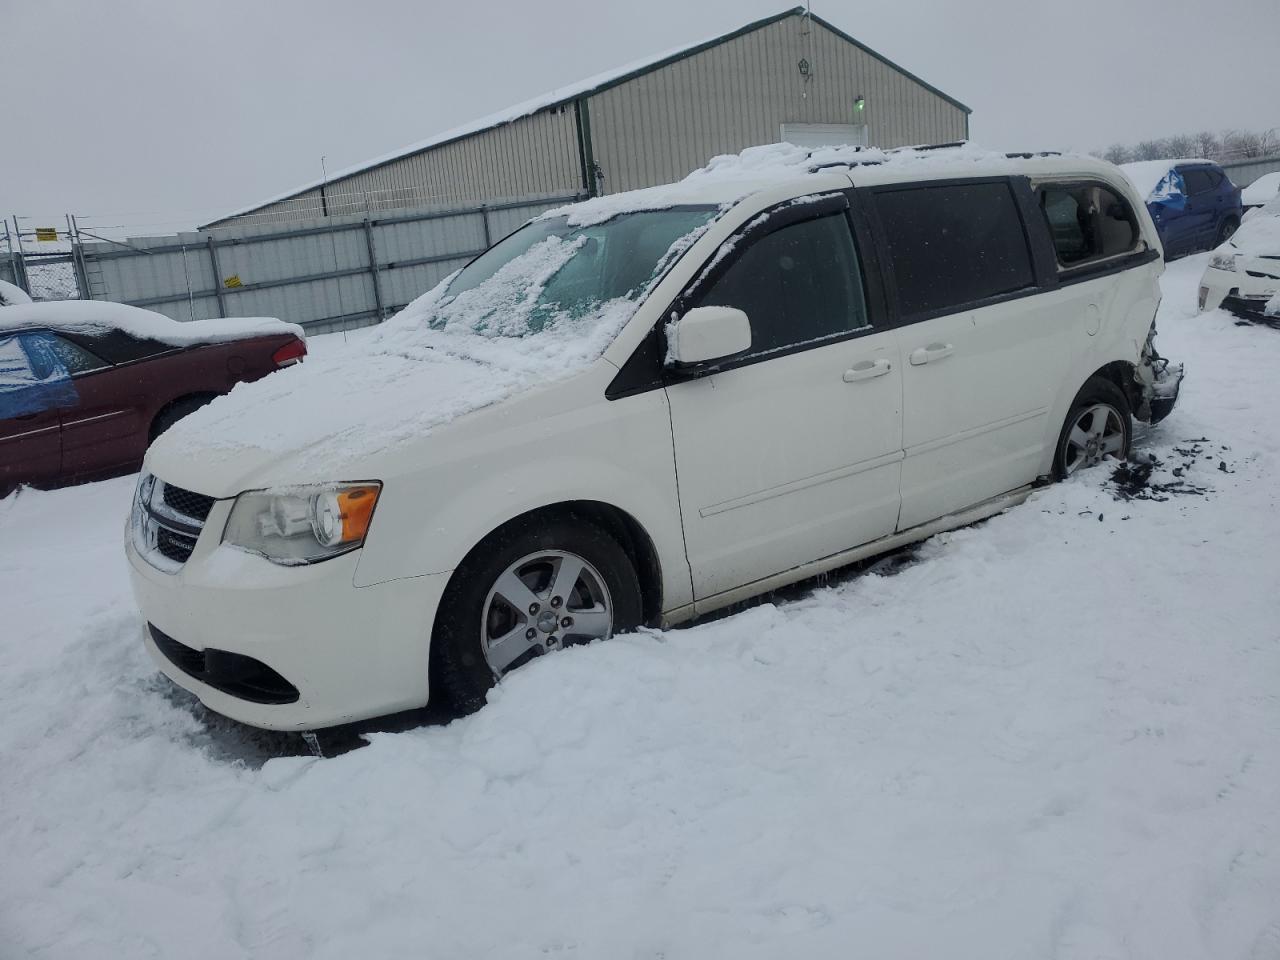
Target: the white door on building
(824, 134)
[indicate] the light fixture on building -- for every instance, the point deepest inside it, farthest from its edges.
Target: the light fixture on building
(859, 103)
(804, 68)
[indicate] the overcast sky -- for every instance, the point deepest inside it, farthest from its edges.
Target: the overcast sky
(162, 114)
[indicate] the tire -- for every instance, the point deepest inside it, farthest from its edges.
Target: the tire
(1112, 435)
(1226, 231)
(479, 635)
(174, 412)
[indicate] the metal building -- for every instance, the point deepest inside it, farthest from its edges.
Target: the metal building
(792, 76)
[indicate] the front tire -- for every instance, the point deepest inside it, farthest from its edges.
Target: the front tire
(1098, 426)
(532, 587)
(1226, 231)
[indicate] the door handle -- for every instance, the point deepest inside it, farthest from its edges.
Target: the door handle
(934, 351)
(866, 370)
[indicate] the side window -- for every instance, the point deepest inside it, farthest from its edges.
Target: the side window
(75, 358)
(32, 379)
(953, 245)
(798, 284)
(1087, 221)
(1197, 180)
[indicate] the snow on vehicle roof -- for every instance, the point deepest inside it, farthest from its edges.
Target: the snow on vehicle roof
(99, 316)
(729, 178)
(1146, 175)
(12, 296)
(1261, 190)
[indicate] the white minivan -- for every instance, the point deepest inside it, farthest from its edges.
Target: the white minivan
(644, 407)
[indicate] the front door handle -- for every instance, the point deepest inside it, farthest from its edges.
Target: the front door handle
(934, 351)
(866, 370)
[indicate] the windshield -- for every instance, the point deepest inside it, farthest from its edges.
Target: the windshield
(549, 272)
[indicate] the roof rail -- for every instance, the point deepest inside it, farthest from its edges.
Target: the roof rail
(1028, 155)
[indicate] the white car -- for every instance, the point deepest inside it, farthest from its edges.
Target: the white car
(1243, 274)
(645, 407)
(1261, 191)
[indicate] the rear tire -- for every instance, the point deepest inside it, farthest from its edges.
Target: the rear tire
(1098, 425)
(479, 635)
(175, 411)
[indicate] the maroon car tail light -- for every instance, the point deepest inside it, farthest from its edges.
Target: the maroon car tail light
(290, 353)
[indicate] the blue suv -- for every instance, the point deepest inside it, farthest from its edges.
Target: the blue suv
(1194, 204)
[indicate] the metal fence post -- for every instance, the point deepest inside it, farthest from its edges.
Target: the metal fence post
(217, 277)
(77, 259)
(373, 269)
(484, 219)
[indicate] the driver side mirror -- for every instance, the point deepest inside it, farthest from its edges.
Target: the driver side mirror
(708, 333)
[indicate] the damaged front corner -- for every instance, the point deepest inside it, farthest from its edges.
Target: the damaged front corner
(1158, 383)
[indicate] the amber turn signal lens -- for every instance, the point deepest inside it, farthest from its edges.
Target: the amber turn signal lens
(355, 508)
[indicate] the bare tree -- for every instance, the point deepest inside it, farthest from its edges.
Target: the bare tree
(1117, 153)
(1242, 144)
(1208, 145)
(1149, 150)
(1181, 145)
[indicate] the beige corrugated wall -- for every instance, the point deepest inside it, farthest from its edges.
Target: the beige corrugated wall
(535, 156)
(658, 127)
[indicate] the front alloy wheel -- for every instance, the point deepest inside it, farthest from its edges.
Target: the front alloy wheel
(542, 602)
(537, 584)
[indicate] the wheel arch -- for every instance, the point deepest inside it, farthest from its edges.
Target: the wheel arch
(1124, 375)
(618, 523)
(202, 396)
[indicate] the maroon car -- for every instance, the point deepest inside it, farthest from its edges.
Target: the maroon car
(85, 386)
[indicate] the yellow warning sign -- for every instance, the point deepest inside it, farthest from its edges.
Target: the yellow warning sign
(233, 281)
(46, 233)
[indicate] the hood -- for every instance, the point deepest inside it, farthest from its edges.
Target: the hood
(323, 420)
(1259, 235)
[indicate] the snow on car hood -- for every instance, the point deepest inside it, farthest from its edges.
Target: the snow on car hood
(1259, 235)
(99, 316)
(441, 357)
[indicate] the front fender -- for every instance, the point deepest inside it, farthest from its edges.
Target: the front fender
(619, 453)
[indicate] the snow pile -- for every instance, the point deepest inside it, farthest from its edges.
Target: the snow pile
(89, 317)
(1052, 735)
(12, 296)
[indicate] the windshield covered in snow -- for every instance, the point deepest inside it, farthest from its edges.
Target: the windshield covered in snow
(550, 272)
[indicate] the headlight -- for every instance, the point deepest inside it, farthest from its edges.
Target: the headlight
(297, 525)
(1224, 261)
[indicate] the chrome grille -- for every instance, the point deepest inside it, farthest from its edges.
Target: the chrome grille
(167, 521)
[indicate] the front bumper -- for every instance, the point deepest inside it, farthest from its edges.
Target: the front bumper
(349, 652)
(1244, 292)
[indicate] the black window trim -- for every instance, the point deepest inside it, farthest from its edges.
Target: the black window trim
(1100, 266)
(1017, 186)
(645, 369)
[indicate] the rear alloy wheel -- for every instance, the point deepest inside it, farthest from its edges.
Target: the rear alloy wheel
(536, 586)
(1097, 427)
(1226, 231)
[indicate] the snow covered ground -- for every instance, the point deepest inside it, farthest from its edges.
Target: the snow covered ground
(1052, 735)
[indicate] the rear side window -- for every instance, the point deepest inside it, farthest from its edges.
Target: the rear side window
(798, 284)
(953, 245)
(74, 358)
(1198, 180)
(1087, 221)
